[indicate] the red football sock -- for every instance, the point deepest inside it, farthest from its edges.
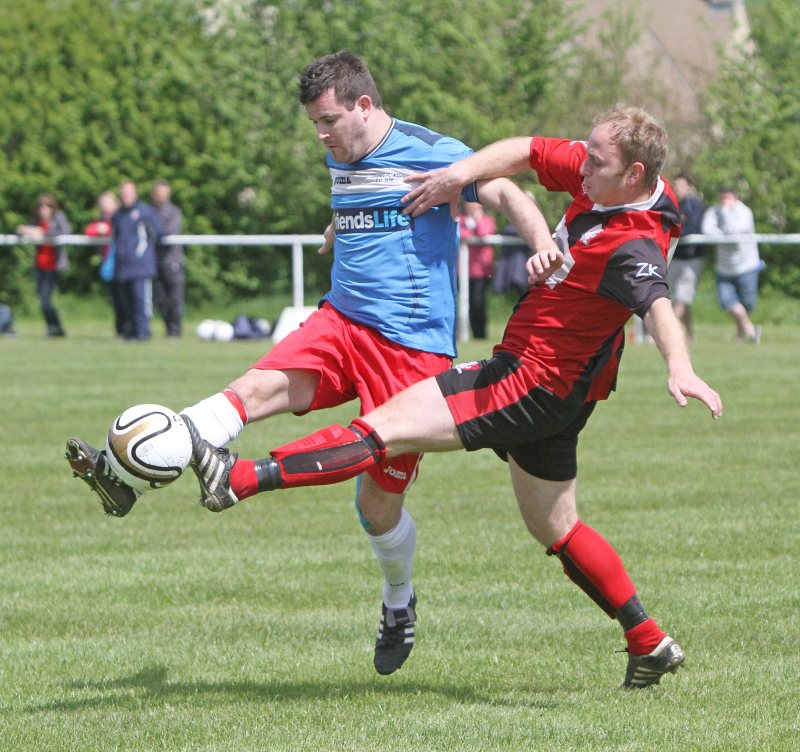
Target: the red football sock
(585, 550)
(593, 564)
(244, 481)
(644, 637)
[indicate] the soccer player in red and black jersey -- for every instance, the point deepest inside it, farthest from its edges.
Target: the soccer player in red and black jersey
(559, 356)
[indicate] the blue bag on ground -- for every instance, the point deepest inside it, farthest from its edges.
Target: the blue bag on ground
(245, 327)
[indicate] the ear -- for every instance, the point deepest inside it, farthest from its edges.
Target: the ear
(364, 105)
(635, 173)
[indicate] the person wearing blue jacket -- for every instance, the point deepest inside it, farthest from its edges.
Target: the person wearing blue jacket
(136, 231)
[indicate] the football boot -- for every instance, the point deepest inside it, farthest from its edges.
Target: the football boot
(646, 670)
(212, 466)
(395, 637)
(91, 466)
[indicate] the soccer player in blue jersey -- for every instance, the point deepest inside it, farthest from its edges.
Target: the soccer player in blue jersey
(387, 322)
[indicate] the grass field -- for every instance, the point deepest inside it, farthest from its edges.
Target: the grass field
(177, 629)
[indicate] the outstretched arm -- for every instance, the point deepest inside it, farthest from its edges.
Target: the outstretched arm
(682, 382)
(504, 196)
(443, 186)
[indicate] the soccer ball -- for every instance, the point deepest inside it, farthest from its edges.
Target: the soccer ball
(205, 329)
(148, 446)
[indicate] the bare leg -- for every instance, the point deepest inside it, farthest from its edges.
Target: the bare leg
(416, 420)
(266, 393)
(393, 537)
(591, 562)
(548, 507)
(379, 509)
(688, 322)
(744, 326)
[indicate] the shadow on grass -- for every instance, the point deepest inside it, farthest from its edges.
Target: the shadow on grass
(153, 685)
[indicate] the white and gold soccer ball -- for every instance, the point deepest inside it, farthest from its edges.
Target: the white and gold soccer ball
(148, 446)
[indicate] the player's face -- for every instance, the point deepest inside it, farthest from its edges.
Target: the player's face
(343, 131)
(605, 178)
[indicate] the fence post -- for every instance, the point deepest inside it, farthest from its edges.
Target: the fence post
(298, 286)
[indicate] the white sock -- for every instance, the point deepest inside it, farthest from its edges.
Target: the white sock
(395, 553)
(216, 419)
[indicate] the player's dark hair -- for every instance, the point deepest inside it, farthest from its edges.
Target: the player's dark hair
(344, 72)
(639, 138)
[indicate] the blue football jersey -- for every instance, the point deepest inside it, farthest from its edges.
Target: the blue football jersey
(391, 271)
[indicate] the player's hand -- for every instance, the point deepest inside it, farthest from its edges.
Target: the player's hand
(441, 186)
(684, 384)
(327, 246)
(543, 263)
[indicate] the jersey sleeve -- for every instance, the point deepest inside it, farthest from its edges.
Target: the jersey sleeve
(557, 162)
(447, 150)
(636, 275)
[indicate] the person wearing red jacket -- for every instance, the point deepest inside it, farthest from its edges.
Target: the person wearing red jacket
(50, 260)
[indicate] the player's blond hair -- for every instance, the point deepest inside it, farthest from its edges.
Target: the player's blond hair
(639, 138)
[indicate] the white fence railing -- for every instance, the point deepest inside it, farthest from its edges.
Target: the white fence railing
(298, 242)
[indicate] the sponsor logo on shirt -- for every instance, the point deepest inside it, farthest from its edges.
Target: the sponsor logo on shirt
(647, 270)
(369, 180)
(373, 219)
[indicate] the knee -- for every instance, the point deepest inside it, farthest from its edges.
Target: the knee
(378, 513)
(370, 513)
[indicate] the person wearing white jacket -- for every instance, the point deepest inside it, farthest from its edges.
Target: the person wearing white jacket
(737, 264)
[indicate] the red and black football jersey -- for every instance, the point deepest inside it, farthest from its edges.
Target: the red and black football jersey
(571, 328)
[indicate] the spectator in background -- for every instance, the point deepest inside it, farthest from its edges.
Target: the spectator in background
(50, 260)
(107, 205)
(6, 321)
(476, 223)
(737, 264)
(688, 261)
(511, 273)
(169, 288)
(135, 231)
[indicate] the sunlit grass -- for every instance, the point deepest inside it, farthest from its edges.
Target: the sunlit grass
(177, 629)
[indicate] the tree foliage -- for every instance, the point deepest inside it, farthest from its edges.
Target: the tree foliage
(203, 93)
(753, 112)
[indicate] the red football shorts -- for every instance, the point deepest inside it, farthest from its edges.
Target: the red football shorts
(356, 361)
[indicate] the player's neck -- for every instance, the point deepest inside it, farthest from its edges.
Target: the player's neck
(378, 126)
